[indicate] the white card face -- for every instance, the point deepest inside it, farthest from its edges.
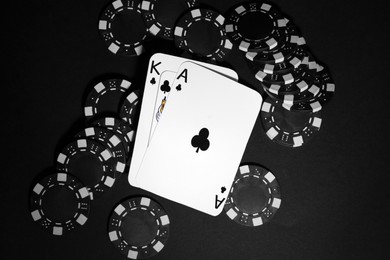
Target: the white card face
(199, 141)
(158, 63)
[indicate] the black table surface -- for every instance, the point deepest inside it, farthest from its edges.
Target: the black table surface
(333, 188)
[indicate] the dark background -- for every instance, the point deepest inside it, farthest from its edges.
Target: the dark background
(333, 189)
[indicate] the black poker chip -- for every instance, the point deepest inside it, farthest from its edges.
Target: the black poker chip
(59, 203)
(116, 26)
(92, 162)
(124, 131)
(105, 97)
(138, 227)
(320, 90)
(289, 64)
(160, 16)
(299, 85)
(319, 93)
(288, 99)
(288, 77)
(129, 108)
(289, 128)
(111, 140)
(202, 33)
(254, 197)
(301, 80)
(280, 53)
(255, 26)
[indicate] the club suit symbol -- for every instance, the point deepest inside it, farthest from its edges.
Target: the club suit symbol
(153, 81)
(165, 86)
(223, 189)
(200, 141)
(178, 87)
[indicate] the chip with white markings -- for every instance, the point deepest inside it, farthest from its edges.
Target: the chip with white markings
(59, 203)
(111, 140)
(138, 227)
(92, 162)
(254, 197)
(289, 128)
(116, 27)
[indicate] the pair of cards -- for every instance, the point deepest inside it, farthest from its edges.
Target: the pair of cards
(194, 124)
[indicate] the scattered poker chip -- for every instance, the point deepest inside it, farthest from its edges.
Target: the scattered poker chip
(116, 26)
(289, 128)
(139, 227)
(129, 108)
(320, 93)
(124, 131)
(201, 32)
(105, 97)
(111, 140)
(92, 162)
(283, 78)
(288, 65)
(300, 85)
(160, 16)
(255, 26)
(278, 54)
(315, 78)
(290, 99)
(254, 197)
(59, 203)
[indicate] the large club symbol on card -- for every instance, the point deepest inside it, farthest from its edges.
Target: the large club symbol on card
(199, 140)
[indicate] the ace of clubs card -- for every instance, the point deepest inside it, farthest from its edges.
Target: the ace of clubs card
(200, 139)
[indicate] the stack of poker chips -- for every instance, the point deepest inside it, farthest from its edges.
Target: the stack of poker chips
(296, 85)
(100, 153)
(91, 162)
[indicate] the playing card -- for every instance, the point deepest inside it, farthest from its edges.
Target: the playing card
(158, 63)
(200, 139)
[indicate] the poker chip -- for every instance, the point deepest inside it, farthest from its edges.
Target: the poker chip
(160, 16)
(254, 197)
(92, 162)
(129, 108)
(111, 140)
(201, 32)
(124, 131)
(289, 128)
(289, 64)
(59, 203)
(287, 77)
(116, 27)
(255, 26)
(278, 54)
(105, 97)
(318, 81)
(290, 99)
(138, 227)
(300, 85)
(320, 93)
